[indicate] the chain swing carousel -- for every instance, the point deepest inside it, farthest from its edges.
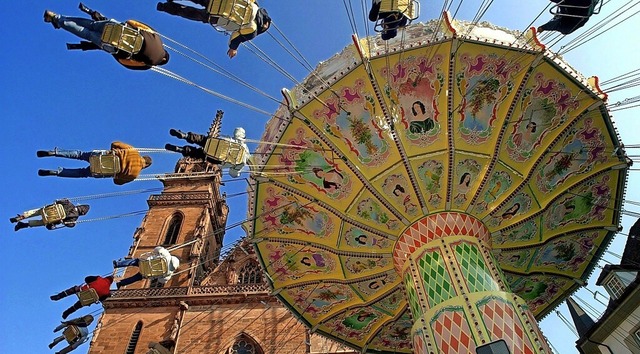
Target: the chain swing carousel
(439, 193)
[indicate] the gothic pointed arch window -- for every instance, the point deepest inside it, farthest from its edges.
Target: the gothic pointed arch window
(171, 237)
(245, 345)
(133, 341)
(250, 273)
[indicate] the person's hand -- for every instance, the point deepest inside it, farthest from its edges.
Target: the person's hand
(232, 53)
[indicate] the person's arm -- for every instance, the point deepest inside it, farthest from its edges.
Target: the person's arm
(238, 38)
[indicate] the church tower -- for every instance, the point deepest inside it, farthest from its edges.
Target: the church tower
(213, 303)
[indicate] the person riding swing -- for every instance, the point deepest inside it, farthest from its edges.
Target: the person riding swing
(133, 44)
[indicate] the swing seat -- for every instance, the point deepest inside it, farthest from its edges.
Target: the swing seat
(408, 8)
(71, 334)
(152, 266)
(232, 14)
(124, 38)
(53, 213)
(104, 165)
(225, 151)
(592, 9)
(88, 297)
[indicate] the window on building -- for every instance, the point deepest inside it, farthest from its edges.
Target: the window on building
(245, 345)
(250, 274)
(135, 335)
(497, 347)
(614, 287)
(171, 237)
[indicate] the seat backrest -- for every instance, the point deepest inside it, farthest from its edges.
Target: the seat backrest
(71, 334)
(405, 7)
(153, 267)
(53, 213)
(104, 165)
(232, 14)
(225, 151)
(124, 38)
(88, 297)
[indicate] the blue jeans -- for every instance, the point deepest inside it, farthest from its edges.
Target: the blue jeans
(86, 29)
(127, 262)
(76, 155)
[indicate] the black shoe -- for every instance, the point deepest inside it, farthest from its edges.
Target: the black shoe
(47, 172)
(55, 297)
(177, 134)
(13, 220)
(20, 225)
(174, 148)
(49, 17)
(115, 264)
(160, 6)
(45, 153)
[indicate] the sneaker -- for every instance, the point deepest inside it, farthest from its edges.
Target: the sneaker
(177, 134)
(20, 225)
(47, 172)
(160, 6)
(13, 220)
(45, 153)
(49, 17)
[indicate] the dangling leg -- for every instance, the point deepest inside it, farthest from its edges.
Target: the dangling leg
(67, 154)
(130, 280)
(188, 12)
(74, 172)
(82, 27)
(553, 25)
(125, 263)
(77, 306)
(56, 341)
(72, 290)
(190, 137)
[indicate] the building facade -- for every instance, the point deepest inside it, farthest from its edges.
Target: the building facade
(215, 302)
(617, 331)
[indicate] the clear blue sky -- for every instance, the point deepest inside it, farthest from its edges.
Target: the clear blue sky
(71, 99)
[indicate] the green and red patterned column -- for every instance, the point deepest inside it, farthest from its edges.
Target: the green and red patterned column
(456, 291)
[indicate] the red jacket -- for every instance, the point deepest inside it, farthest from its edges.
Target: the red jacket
(100, 284)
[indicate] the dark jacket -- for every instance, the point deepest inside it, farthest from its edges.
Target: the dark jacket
(239, 37)
(71, 212)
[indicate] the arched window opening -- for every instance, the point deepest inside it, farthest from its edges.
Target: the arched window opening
(250, 274)
(173, 230)
(135, 335)
(245, 345)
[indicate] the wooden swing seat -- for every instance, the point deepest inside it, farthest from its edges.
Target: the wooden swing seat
(408, 8)
(124, 38)
(71, 334)
(88, 297)
(225, 151)
(53, 213)
(592, 9)
(104, 165)
(151, 266)
(232, 14)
